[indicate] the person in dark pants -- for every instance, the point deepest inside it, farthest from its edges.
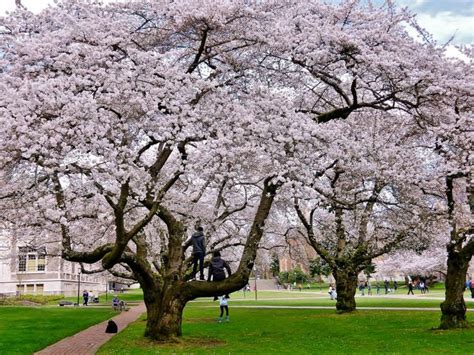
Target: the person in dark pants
(223, 304)
(199, 250)
(85, 297)
(386, 285)
(216, 269)
(410, 288)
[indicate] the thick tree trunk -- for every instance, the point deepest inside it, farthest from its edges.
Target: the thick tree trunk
(346, 286)
(454, 308)
(164, 315)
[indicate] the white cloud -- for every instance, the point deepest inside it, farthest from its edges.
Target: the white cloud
(453, 52)
(32, 5)
(445, 24)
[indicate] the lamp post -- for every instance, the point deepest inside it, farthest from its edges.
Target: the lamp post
(255, 282)
(78, 287)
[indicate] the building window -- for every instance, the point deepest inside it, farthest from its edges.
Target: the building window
(41, 262)
(21, 262)
(39, 289)
(31, 260)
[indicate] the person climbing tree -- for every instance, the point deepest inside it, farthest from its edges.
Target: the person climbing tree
(216, 269)
(199, 250)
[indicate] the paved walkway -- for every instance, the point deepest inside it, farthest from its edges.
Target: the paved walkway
(334, 308)
(89, 340)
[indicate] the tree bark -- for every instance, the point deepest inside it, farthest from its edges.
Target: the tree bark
(454, 308)
(346, 286)
(164, 315)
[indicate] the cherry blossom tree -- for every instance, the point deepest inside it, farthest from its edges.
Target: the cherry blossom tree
(454, 145)
(431, 261)
(123, 125)
(368, 200)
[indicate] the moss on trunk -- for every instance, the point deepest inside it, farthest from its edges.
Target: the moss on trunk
(454, 308)
(346, 286)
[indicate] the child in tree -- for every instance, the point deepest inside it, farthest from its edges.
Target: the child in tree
(216, 270)
(223, 303)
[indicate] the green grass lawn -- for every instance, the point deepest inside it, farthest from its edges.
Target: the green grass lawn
(312, 298)
(299, 331)
(24, 330)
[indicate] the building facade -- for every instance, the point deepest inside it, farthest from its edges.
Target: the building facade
(40, 270)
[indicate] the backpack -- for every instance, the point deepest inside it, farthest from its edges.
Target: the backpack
(111, 327)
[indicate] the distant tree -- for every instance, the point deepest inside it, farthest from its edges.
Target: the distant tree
(275, 265)
(319, 267)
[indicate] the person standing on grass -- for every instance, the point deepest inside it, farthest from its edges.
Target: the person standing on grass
(224, 305)
(395, 286)
(377, 286)
(386, 285)
(471, 287)
(410, 288)
(199, 251)
(216, 269)
(332, 292)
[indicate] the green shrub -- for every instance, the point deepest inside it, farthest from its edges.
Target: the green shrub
(39, 299)
(295, 275)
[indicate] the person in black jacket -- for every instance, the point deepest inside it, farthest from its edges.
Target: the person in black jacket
(216, 269)
(199, 250)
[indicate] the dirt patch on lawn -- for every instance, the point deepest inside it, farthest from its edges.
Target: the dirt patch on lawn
(200, 320)
(181, 344)
(29, 303)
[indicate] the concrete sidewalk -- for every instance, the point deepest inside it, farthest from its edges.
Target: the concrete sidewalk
(334, 308)
(89, 340)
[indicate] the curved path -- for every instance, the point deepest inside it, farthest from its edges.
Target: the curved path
(89, 340)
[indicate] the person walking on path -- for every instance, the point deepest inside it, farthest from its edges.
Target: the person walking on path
(377, 286)
(224, 305)
(471, 287)
(386, 285)
(395, 286)
(410, 288)
(85, 297)
(216, 269)
(198, 242)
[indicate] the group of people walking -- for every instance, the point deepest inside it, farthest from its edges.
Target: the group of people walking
(365, 285)
(418, 284)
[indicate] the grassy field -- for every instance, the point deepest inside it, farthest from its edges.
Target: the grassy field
(300, 331)
(24, 330)
(305, 331)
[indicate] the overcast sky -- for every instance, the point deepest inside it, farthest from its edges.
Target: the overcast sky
(442, 18)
